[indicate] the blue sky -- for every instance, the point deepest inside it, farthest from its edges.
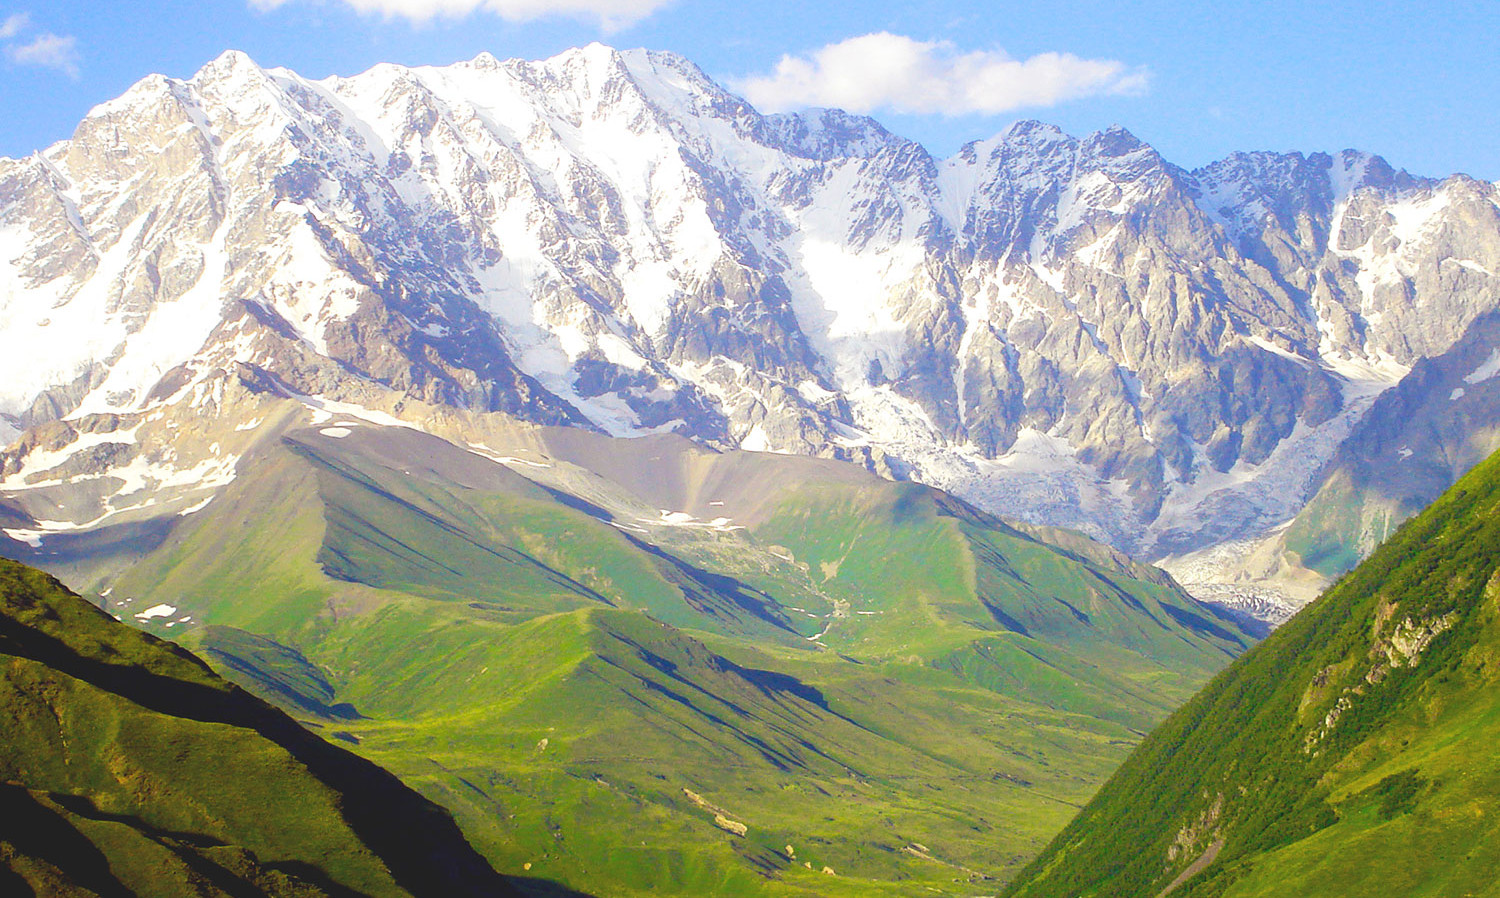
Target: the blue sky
(1419, 86)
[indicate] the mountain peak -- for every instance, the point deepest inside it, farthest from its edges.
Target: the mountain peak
(485, 60)
(594, 50)
(596, 57)
(229, 64)
(1116, 140)
(829, 133)
(1034, 131)
(1027, 141)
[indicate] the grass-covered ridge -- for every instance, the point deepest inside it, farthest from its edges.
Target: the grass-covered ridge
(127, 767)
(1350, 754)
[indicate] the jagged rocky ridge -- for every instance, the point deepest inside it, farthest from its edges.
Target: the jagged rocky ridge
(1073, 331)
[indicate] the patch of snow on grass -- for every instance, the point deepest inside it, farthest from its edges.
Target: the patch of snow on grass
(195, 507)
(489, 454)
(683, 519)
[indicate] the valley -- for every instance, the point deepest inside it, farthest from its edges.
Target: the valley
(544, 631)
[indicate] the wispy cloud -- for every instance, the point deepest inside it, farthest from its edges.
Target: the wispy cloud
(47, 50)
(609, 14)
(898, 73)
(14, 25)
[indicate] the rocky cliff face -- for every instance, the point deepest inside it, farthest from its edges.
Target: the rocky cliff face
(1071, 331)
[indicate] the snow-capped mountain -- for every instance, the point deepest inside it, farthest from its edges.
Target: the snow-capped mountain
(1075, 332)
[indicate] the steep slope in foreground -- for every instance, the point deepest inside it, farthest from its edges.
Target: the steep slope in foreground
(128, 768)
(1351, 753)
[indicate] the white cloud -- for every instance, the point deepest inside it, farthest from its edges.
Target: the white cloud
(14, 25)
(47, 50)
(610, 14)
(890, 71)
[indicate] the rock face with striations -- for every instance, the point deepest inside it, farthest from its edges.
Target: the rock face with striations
(1072, 331)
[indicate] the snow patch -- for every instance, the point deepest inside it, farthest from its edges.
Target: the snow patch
(307, 289)
(619, 352)
(195, 507)
(756, 440)
(684, 519)
(1486, 370)
(171, 333)
(43, 460)
(486, 452)
(1270, 347)
(325, 410)
(32, 538)
(814, 393)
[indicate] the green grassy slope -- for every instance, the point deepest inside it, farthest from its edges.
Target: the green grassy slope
(1350, 754)
(905, 691)
(127, 767)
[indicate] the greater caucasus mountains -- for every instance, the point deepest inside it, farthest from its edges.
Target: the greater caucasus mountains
(282, 362)
(1071, 331)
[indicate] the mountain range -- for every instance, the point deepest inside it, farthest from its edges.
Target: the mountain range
(1070, 331)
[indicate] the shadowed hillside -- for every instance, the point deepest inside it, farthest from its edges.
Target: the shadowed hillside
(128, 768)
